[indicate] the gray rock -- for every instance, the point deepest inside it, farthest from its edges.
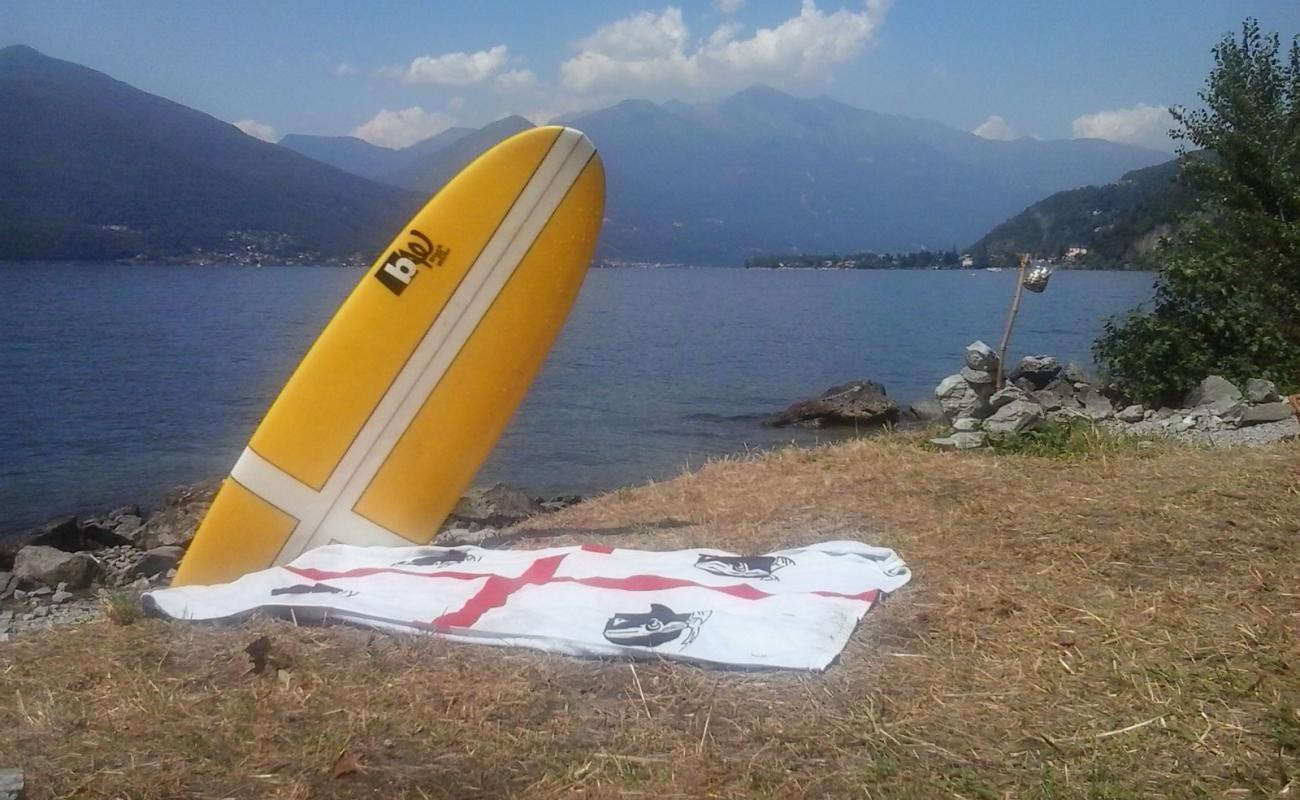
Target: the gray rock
(11, 784)
(962, 440)
(155, 562)
(1097, 407)
(1049, 400)
(7, 584)
(1133, 413)
(926, 409)
(966, 424)
(44, 591)
(455, 537)
(46, 566)
(976, 377)
(1014, 417)
(1075, 373)
(1023, 384)
(980, 356)
(958, 398)
(1215, 393)
(1259, 390)
(857, 403)
(1245, 416)
(1039, 370)
(60, 597)
(1005, 396)
(495, 505)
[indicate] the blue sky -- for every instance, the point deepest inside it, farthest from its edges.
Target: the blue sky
(394, 72)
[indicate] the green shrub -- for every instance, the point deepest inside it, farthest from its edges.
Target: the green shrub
(1227, 297)
(1069, 438)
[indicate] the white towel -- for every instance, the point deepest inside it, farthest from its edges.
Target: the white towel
(791, 608)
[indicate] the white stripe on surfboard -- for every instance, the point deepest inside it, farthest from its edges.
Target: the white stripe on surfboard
(299, 500)
(327, 515)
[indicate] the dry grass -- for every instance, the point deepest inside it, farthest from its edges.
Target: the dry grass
(1107, 627)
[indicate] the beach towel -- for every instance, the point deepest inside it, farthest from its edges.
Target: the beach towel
(791, 608)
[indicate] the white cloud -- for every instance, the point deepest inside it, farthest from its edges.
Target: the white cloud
(403, 128)
(729, 6)
(257, 129)
(995, 127)
(452, 69)
(650, 49)
(516, 80)
(345, 70)
(1141, 124)
(455, 104)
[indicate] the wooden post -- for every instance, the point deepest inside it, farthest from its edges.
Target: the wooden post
(1011, 320)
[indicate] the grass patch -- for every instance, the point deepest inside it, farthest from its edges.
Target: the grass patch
(1076, 628)
(122, 607)
(1069, 438)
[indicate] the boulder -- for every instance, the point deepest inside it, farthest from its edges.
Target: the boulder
(1075, 373)
(1245, 416)
(156, 562)
(174, 524)
(862, 403)
(966, 424)
(1014, 417)
(201, 492)
(1005, 396)
(976, 377)
(7, 584)
(980, 356)
(962, 440)
(64, 533)
(37, 565)
(1023, 384)
(1097, 407)
(1133, 413)
(11, 784)
(1259, 390)
(1050, 400)
(125, 522)
(961, 399)
(926, 409)
(1038, 370)
(1215, 393)
(497, 505)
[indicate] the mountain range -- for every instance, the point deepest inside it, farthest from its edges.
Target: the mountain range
(1119, 223)
(94, 168)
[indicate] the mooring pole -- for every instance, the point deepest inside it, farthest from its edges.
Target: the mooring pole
(1011, 320)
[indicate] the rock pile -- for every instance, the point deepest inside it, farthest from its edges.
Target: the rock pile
(1040, 389)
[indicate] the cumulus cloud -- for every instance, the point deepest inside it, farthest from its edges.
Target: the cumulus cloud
(1141, 124)
(995, 127)
(257, 129)
(398, 129)
(516, 80)
(656, 49)
(452, 69)
(345, 70)
(729, 6)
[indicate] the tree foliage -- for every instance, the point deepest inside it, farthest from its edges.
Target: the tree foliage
(1227, 297)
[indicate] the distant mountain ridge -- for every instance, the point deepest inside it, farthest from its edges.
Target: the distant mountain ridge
(360, 157)
(104, 170)
(93, 169)
(1117, 224)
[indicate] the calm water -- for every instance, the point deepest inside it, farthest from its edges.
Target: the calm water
(118, 382)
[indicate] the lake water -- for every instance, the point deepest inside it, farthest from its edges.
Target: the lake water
(118, 382)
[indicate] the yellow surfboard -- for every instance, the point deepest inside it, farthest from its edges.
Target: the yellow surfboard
(400, 400)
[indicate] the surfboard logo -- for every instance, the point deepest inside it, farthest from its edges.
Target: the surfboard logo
(402, 265)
